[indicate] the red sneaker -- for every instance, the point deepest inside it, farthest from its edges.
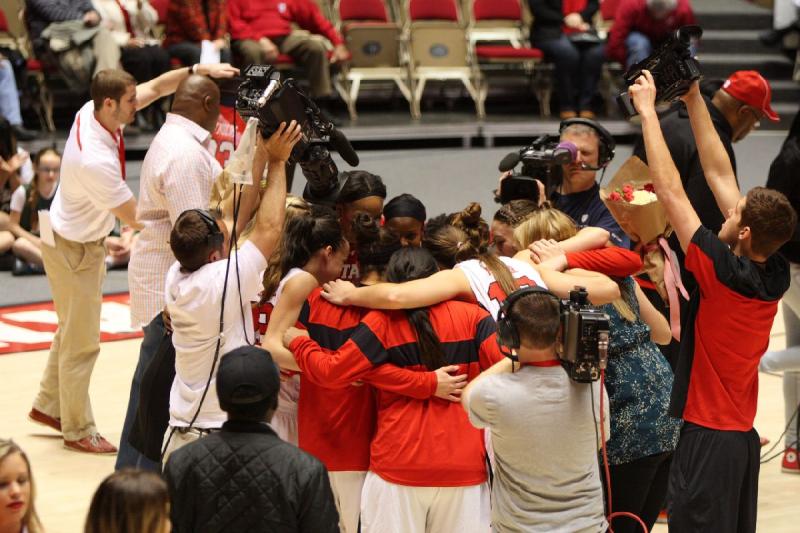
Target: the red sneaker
(91, 444)
(663, 517)
(790, 465)
(46, 420)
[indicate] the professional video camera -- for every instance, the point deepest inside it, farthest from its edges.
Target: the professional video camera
(584, 337)
(271, 100)
(672, 66)
(538, 161)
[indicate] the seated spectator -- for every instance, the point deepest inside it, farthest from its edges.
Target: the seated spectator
(129, 501)
(245, 478)
(26, 202)
(56, 22)
(9, 101)
(262, 30)
(641, 25)
(12, 175)
(17, 494)
(577, 64)
(192, 22)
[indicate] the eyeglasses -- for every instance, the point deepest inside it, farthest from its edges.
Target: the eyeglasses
(756, 115)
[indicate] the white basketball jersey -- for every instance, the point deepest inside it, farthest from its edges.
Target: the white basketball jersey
(488, 291)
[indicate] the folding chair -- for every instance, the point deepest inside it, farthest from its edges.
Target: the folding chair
(377, 49)
(440, 49)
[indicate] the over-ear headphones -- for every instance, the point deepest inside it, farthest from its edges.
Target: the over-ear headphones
(607, 142)
(215, 238)
(507, 332)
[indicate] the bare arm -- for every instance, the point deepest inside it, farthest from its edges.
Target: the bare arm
(166, 84)
(601, 289)
(714, 158)
(659, 327)
(442, 286)
(587, 239)
(666, 180)
(18, 231)
(286, 313)
(501, 367)
(127, 214)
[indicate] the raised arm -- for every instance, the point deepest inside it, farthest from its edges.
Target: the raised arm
(166, 84)
(587, 238)
(666, 180)
(285, 315)
(714, 158)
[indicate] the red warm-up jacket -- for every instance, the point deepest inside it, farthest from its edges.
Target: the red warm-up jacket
(254, 19)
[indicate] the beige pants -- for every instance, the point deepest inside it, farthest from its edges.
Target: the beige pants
(75, 272)
(306, 49)
(106, 51)
(180, 439)
(346, 487)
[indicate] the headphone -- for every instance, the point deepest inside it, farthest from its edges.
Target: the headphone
(607, 142)
(215, 238)
(507, 333)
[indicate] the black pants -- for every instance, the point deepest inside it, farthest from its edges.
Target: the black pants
(145, 63)
(713, 482)
(639, 487)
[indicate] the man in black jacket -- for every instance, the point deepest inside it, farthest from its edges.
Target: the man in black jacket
(244, 477)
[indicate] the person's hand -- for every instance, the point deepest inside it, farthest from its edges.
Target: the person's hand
(693, 94)
(340, 53)
(278, 147)
(217, 70)
(584, 26)
(573, 20)
(134, 42)
(548, 254)
(118, 247)
(450, 385)
(269, 49)
(338, 291)
(542, 193)
(643, 93)
(291, 334)
(219, 44)
(11, 166)
(91, 18)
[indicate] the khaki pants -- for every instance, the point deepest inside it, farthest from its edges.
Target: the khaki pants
(180, 438)
(75, 272)
(106, 51)
(307, 50)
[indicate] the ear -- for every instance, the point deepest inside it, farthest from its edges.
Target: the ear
(216, 255)
(207, 102)
(745, 234)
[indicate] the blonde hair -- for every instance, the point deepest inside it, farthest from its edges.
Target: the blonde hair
(550, 223)
(129, 501)
(295, 206)
(31, 519)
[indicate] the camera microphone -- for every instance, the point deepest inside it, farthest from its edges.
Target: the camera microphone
(509, 162)
(340, 143)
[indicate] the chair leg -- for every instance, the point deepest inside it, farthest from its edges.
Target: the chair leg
(355, 85)
(474, 94)
(418, 90)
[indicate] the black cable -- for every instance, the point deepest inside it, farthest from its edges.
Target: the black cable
(768, 459)
(778, 441)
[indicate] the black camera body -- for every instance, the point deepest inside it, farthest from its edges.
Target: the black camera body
(265, 96)
(672, 66)
(538, 161)
(584, 337)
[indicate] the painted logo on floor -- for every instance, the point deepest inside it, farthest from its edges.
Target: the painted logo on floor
(26, 328)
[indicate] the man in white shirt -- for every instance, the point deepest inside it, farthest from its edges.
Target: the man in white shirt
(92, 192)
(201, 281)
(177, 175)
(542, 427)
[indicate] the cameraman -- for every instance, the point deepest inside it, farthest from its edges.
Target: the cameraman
(714, 475)
(201, 281)
(578, 194)
(543, 429)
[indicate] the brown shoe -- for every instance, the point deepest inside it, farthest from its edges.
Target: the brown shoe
(46, 420)
(91, 444)
(564, 115)
(587, 114)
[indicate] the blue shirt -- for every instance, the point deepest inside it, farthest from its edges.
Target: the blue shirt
(587, 209)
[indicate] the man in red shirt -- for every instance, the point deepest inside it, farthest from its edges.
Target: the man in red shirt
(641, 25)
(740, 280)
(260, 31)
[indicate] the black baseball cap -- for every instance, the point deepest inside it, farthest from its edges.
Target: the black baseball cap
(247, 376)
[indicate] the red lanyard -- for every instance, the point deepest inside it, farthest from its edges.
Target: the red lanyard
(127, 17)
(120, 144)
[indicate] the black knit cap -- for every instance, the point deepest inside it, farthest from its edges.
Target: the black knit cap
(246, 376)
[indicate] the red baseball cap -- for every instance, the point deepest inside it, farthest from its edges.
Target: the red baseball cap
(750, 88)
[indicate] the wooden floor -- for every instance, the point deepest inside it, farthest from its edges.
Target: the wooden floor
(66, 480)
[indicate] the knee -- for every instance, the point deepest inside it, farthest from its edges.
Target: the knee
(638, 43)
(315, 49)
(6, 241)
(564, 53)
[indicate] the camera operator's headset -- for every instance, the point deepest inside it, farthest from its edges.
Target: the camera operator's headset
(607, 142)
(507, 332)
(215, 238)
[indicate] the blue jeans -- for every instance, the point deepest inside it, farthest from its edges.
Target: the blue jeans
(639, 47)
(128, 456)
(9, 95)
(577, 70)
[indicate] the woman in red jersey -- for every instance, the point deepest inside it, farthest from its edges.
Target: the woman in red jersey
(361, 193)
(427, 463)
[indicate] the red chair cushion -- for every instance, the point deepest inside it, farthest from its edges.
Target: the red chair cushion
(433, 10)
(497, 10)
(362, 10)
(507, 52)
(3, 21)
(33, 65)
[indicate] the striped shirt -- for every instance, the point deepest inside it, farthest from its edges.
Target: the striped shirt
(177, 174)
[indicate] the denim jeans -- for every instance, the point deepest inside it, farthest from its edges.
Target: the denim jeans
(128, 456)
(577, 71)
(639, 47)
(9, 95)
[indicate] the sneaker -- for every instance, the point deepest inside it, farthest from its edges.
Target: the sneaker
(92, 444)
(790, 465)
(663, 517)
(46, 420)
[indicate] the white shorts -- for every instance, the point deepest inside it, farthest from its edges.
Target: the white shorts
(346, 488)
(284, 421)
(390, 508)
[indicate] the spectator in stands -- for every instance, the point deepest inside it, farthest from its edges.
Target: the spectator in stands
(244, 477)
(9, 101)
(190, 23)
(578, 194)
(17, 494)
(129, 501)
(43, 14)
(563, 31)
(262, 30)
(11, 177)
(641, 25)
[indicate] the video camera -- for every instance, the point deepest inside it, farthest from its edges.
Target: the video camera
(584, 337)
(271, 100)
(672, 66)
(538, 160)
